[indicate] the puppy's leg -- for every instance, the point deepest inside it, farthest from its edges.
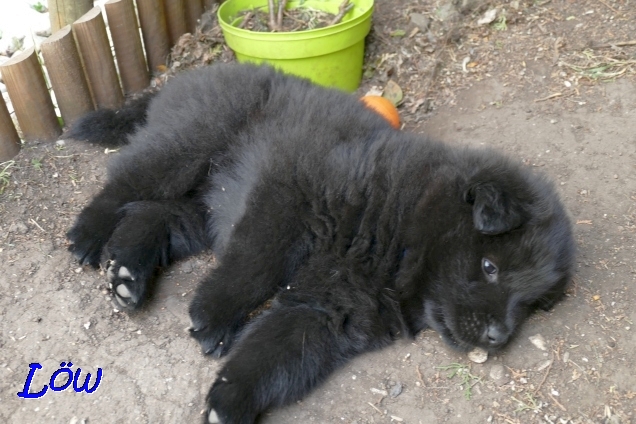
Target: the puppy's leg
(96, 223)
(150, 234)
(281, 357)
(224, 299)
(134, 175)
(176, 142)
(263, 253)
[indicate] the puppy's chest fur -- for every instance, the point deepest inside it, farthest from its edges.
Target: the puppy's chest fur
(348, 199)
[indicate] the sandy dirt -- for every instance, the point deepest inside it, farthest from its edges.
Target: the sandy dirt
(535, 85)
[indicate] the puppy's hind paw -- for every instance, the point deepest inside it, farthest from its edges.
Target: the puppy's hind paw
(86, 250)
(126, 290)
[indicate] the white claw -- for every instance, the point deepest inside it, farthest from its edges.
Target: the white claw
(123, 291)
(213, 418)
(110, 274)
(125, 274)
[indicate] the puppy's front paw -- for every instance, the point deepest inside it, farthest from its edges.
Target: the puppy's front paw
(214, 336)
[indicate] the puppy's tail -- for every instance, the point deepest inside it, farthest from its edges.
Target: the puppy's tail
(109, 127)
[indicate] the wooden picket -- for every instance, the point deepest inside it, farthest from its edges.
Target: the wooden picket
(80, 65)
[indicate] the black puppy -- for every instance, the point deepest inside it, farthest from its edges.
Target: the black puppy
(359, 233)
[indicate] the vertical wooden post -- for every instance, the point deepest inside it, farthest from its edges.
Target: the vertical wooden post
(124, 31)
(65, 12)
(9, 139)
(30, 97)
(193, 11)
(66, 74)
(152, 18)
(93, 45)
(175, 16)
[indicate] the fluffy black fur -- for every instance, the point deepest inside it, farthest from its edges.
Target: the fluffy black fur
(360, 234)
(111, 127)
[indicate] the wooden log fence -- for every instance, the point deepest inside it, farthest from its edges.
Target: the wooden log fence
(128, 49)
(66, 75)
(84, 71)
(30, 97)
(152, 17)
(175, 12)
(93, 45)
(65, 12)
(9, 139)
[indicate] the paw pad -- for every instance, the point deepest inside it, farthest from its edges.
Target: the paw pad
(119, 279)
(123, 291)
(124, 274)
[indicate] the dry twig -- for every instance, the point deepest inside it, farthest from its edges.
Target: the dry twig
(245, 20)
(376, 408)
(281, 8)
(557, 403)
(38, 225)
(610, 7)
(507, 419)
(344, 7)
(550, 97)
(617, 44)
(545, 376)
(419, 375)
(272, 19)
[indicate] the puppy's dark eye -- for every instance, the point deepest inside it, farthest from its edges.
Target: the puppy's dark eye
(489, 268)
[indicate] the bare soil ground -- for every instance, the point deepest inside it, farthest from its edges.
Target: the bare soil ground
(550, 82)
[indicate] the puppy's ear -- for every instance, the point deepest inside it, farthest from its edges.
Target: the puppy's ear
(494, 210)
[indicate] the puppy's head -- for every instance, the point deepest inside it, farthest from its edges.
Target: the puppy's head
(504, 248)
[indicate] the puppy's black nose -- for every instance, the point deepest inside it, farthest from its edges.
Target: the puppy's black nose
(496, 335)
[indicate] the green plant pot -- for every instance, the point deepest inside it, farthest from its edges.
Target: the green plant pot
(330, 56)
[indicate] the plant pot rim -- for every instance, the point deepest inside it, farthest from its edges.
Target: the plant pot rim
(360, 11)
(331, 56)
